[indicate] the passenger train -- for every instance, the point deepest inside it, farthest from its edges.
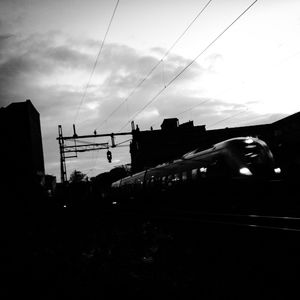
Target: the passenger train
(238, 160)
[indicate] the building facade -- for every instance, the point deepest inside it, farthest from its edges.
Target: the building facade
(152, 147)
(21, 152)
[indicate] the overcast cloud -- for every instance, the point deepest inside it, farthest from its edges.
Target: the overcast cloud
(49, 69)
(48, 50)
(52, 70)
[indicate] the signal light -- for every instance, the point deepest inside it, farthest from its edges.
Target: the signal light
(109, 156)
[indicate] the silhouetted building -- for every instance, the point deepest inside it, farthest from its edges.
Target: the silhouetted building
(287, 137)
(152, 147)
(21, 153)
(50, 184)
(170, 124)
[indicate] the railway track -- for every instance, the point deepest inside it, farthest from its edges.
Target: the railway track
(286, 223)
(250, 220)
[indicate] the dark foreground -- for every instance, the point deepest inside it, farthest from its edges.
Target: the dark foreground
(89, 253)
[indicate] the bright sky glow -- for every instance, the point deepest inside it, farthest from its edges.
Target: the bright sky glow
(48, 50)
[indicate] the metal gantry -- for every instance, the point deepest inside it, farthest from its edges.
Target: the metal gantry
(75, 148)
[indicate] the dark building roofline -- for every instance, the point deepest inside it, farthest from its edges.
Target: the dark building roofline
(27, 103)
(287, 119)
(170, 123)
(249, 127)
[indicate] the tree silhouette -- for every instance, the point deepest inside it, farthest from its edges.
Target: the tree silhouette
(77, 176)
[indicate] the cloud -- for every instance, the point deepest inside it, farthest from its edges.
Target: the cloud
(148, 114)
(53, 70)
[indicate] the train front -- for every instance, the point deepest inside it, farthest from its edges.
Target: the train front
(256, 159)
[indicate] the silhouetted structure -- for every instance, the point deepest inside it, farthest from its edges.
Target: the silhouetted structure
(287, 136)
(101, 183)
(152, 147)
(50, 184)
(21, 153)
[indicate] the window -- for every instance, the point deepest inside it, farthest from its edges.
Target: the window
(176, 178)
(194, 174)
(170, 180)
(152, 181)
(138, 184)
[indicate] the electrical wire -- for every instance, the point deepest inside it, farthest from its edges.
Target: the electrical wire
(187, 110)
(193, 107)
(228, 118)
(96, 61)
(158, 63)
(188, 65)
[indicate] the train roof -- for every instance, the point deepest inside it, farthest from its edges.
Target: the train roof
(219, 145)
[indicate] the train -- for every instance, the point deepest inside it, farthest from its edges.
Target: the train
(226, 165)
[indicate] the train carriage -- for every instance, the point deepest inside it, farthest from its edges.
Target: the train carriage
(202, 173)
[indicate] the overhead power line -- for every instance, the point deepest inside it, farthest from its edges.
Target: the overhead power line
(192, 108)
(187, 110)
(158, 63)
(227, 118)
(96, 61)
(188, 65)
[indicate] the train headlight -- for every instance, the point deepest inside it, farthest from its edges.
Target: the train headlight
(249, 140)
(245, 171)
(277, 170)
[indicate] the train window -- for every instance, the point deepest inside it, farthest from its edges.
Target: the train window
(164, 180)
(138, 184)
(159, 181)
(176, 178)
(152, 181)
(170, 179)
(139, 181)
(194, 174)
(203, 171)
(254, 155)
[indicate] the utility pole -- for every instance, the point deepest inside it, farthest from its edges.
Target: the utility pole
(63, 170)
(75, 148)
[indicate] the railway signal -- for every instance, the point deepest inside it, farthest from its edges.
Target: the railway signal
(109, 156)
(74, 149)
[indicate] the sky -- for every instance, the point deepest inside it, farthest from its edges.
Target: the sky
(89, 63)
